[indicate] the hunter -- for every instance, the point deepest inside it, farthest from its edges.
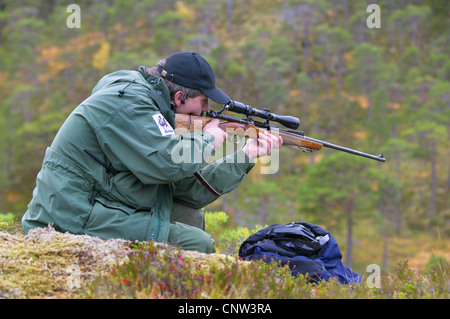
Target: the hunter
(109, 171)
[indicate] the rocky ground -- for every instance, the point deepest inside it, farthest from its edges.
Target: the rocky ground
(49, 264)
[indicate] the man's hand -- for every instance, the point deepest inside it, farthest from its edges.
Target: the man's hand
(219, 134)
(263, 145)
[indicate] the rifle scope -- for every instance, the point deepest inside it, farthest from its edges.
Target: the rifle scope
(238, 107)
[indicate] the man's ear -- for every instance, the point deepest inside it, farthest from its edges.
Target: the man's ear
(177, 98)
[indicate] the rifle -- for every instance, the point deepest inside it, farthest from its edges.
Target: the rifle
(249, 128)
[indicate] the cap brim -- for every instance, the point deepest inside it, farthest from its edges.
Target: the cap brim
(217, 95)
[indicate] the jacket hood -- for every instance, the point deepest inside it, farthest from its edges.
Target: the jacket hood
(119, 76)
(157, 89)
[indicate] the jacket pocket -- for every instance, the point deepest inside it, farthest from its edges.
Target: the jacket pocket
(110, 220)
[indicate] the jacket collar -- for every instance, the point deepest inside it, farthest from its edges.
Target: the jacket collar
(160, 94)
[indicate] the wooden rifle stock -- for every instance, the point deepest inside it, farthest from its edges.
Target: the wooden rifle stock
(190, 123)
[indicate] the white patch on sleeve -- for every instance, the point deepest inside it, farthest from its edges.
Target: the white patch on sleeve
(163, 125)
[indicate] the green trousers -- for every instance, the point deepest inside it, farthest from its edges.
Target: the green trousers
(187, 230)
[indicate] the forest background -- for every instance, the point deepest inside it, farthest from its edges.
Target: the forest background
(383, 89)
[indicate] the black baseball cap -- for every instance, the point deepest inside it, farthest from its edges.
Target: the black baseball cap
(191, 70)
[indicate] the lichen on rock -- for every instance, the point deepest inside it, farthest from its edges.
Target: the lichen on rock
(46, 263)
(50, 264)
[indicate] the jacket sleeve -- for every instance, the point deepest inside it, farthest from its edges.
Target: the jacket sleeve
(223, 176)
(134, 140)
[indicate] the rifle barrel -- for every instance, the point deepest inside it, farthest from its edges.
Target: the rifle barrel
(379, 158)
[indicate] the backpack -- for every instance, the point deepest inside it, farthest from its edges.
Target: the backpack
(306, 248)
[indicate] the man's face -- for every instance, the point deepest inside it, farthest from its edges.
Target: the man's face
(194, 106)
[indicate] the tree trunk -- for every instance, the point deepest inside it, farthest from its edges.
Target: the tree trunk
(448, 139)
(230, 15)
(432, 212)
(386, 235)
(264, 209)
(398, 194)
(348, 257)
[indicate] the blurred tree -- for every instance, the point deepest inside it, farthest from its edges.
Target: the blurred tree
(365, 75)
(254, 55)
(385, 187)
(429, 127)
(272, 85)
(230, 75)
(5, 156)
(169, 31)
(417, 23)
(101, 57)
(396, 25)
(335, 43)
(335, 189)
(31, 140)
(301, 16)
(307, 93)
(398, 151)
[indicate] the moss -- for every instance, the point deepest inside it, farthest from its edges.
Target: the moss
(50, 264)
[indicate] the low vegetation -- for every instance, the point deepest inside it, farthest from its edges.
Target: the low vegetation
(49, 264)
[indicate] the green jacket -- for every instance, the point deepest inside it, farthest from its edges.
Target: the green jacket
(130, 194)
